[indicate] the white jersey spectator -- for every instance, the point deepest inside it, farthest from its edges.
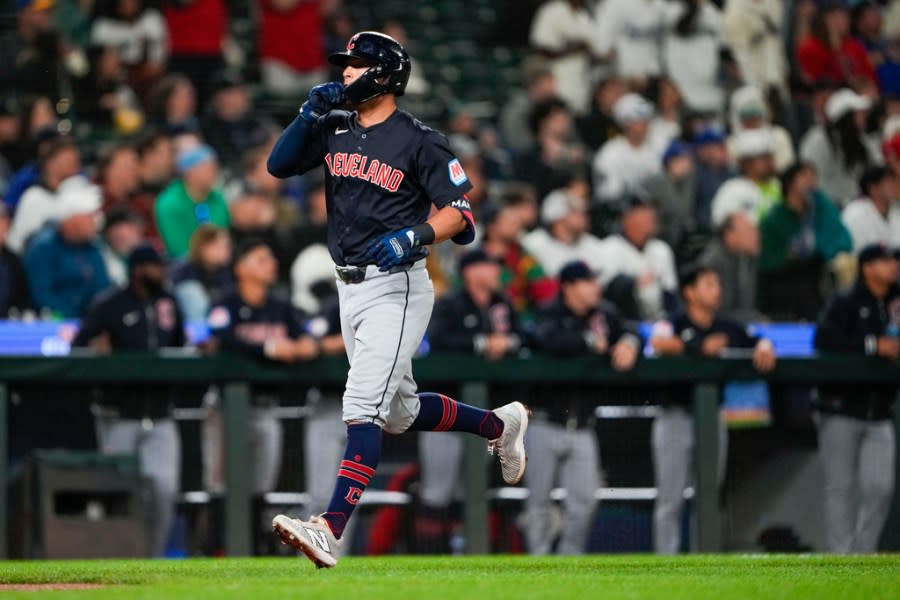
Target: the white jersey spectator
(692, 55)
(875, 217)
(749, 111)
(566, 237)
(753, 30)
(141, 39)
(40, 206)
(839, 148)
(565, 32)
(633, 31)
(647, 262)
(756, 189)
(626, 160)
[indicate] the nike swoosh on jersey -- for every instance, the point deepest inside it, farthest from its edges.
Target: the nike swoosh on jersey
(339, 131)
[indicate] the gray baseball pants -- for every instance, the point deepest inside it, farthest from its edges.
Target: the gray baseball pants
(158, 448)
(858, 462)
(672, 439)
(571, 458)
(383, 320)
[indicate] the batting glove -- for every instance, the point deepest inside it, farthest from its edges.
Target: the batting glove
(394, 248)
(322, 98)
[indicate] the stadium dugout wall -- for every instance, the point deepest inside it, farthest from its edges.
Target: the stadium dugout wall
(237, 375)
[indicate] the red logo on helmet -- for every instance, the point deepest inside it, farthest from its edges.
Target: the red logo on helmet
(352, 43)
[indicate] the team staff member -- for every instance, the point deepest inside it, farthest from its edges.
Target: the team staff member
(476, 319)
(250, 321)
(138, 420)
(855, 421)
(561, 436)
(698, 331)
(385, 171)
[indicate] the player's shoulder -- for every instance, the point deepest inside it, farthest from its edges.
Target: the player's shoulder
(110, 299)
(407, 121)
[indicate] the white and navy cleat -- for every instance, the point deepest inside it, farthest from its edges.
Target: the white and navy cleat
(313, 538)
(510, 446)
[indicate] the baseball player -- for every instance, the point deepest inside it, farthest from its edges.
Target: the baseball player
(857, 443)
(384, 172)
(138, 419)
(579, 322)
(475, 319)
(699, 330)
(251, 322)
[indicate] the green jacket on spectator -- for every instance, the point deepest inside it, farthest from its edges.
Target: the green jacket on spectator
(178, 216)
(788, 236)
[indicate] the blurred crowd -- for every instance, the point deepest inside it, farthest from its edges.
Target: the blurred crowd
(698, 164)
(760, 137)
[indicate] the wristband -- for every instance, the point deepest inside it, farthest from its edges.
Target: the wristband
(424, 234)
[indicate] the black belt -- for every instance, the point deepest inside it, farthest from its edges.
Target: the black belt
(351, 275)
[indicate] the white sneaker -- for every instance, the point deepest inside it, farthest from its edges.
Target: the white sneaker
(313, 538)
(510, 446)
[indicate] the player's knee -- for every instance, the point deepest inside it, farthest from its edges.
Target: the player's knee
(396, 425)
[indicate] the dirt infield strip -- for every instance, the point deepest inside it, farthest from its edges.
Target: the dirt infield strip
(45, 587)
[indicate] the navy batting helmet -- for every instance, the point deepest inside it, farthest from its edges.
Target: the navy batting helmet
(388, 61)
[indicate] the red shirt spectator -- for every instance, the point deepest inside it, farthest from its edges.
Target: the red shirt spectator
(845, 65)
(290, 32)
(196, 26)
(830, 55)
(197, 30)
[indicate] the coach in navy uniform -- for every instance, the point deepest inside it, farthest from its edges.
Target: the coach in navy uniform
(251, 322)
(138, 419)
(561, 437)
(475, 319)
(699, 330)
(855, 421)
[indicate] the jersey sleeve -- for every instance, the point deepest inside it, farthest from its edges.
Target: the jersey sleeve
(301, 146)
(439, 171)
(94, 322)
(445, 182)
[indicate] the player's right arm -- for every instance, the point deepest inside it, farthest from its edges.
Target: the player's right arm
(302, 145)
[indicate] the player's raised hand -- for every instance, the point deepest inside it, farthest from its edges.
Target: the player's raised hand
(322, 98)
(390, 250)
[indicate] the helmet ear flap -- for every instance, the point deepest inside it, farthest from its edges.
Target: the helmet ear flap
(368, 86)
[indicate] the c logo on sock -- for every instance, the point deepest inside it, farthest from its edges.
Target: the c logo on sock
(353, 496)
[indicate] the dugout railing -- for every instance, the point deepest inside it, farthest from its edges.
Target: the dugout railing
(236, 375)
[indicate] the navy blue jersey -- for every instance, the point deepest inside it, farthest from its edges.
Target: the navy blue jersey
(133, 323)
(379, 179)
(242, 328)
(693, 336)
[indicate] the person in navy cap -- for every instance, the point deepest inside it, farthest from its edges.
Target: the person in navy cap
(857, 443)
(578, 323)
(477, 319)
(142, 316)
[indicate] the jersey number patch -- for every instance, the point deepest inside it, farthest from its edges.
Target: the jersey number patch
(457, 175)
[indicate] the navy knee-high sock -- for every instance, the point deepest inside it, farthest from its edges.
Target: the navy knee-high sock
(354, 473)
(438, 412)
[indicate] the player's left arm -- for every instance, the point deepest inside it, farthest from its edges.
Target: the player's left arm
(453, 222)
(444, 180)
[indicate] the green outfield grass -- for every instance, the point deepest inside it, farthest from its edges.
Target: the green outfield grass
(488, 578)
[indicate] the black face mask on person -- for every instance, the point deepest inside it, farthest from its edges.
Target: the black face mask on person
(149, 279)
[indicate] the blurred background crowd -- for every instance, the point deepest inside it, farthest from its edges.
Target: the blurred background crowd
(759, 136)
(633, 146)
